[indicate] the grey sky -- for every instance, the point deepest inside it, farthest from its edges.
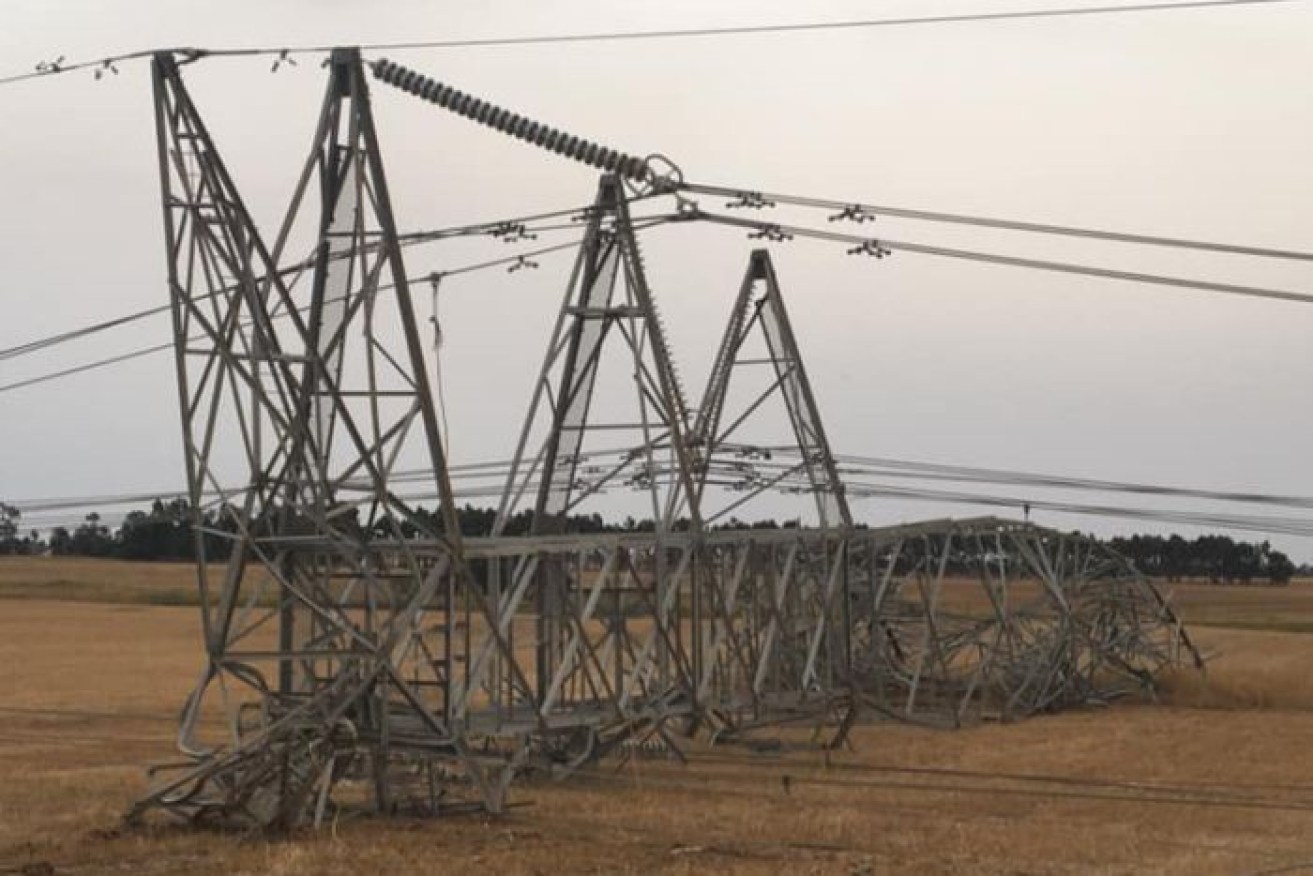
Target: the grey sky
(1191, 124)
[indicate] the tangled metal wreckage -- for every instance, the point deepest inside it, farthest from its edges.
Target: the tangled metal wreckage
(360, 653)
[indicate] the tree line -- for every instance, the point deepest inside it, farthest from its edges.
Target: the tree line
(164, 532)
(1214, 558)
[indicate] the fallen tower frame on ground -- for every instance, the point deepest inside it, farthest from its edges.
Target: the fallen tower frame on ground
(358, 650)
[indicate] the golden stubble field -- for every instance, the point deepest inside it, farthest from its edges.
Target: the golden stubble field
(1217, 779)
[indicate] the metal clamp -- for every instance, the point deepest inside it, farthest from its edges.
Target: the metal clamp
(871, 248)
(853, 213)
(749, 201)
(283, 58)
(771, 232)
(511, 232)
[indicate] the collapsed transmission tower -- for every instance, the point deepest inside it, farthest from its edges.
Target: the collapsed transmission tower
(360, 652)
(330, 628)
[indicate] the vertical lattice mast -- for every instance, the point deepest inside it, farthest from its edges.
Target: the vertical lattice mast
(295, 411)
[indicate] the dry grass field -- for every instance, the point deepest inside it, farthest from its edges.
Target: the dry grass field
(1216, 779)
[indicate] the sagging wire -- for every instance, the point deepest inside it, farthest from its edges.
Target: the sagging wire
(512, 263)
(736, 198)
(521, 226)
(60, 66)
(774, 231)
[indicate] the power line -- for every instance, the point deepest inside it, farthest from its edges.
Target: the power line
(855, 469)
(519, 258)
(519, 227)
(857, 211)
(1033, 479)
(81, 369)
(106, 64)
(1272, 525)
(761, 228)
(859, 24)
(774, 231)
(76, 334)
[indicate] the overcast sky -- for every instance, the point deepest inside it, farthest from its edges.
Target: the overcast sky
(1194, 124)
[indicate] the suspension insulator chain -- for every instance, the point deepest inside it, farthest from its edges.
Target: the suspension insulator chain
(639, 170)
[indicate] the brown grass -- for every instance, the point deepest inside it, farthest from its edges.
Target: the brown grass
(903, 800)
(86, 580)
(1251, 607)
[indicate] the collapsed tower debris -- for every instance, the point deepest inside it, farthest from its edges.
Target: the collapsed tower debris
(990, 619)
(361, 652)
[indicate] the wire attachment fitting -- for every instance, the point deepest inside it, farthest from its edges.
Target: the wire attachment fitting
(772, 233)
(853, 213)
(662, 174)
(521, 264)
(872, 248)
(283, 58)
(749, 201)
(511, 232)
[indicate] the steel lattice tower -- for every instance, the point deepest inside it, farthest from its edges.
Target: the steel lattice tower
(359, 650)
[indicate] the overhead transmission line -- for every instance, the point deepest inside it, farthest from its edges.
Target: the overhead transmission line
(886, 467)
(522, 228)
(109, 64)
(644, 173)
(757, 228)
(879, 247)
(859, 212)
(516, 228)
(786, 477)
(1290, 526)
(515, 261)
(847, 210)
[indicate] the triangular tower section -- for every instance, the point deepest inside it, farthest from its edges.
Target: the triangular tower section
(758, 363)
(608, 353)
(607, 415)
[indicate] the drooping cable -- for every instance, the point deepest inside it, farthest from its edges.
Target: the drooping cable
(510, 230)
(776, 232)
(517, 261)
(283, 54)
(860, 212)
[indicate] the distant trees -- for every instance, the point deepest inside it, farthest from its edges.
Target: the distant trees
(92, 538)
(162, 533)
(12, 540)
(165, 532)
(9, 518)
(1215, 558)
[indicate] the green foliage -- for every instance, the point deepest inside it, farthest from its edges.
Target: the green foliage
(1215, 558)
(12, 540)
